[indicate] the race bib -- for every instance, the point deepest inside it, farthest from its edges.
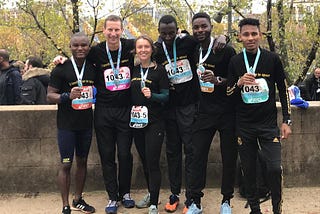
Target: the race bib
(206, 87)
(120, 83)
(86, 99)
(139, 117)
(183, 72)
(257, 93)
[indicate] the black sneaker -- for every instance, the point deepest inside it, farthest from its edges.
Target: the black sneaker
(82, 206)
(66, 210)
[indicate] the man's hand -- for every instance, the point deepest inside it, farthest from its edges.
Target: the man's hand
(75, 93)
(146, 92)
(207, 76)
(59, 60)
(246, 79)
(285, 131)
(220, 43)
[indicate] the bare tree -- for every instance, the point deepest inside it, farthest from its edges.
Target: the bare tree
(269, 27)
(28, 10)
(75, 17)
(281, 25)
(94, 5)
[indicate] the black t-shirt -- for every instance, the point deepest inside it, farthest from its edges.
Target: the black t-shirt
(156, 80)
(217, 102)
(269, 68)
(63, 78)
(98, 55)
(187, 92)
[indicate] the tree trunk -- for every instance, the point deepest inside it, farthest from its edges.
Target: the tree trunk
(75, 11)
(269, 27)
(283, 48)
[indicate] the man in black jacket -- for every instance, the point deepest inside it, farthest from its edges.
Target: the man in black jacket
(312, 86)
(10, 81)
(35, 81)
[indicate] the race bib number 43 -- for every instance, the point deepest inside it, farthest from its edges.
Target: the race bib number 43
(256, 93)
(183, 72)
(85, 101)
(120, 83)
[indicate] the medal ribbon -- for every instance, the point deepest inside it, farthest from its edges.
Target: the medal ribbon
(143, 76)
(76, 70)
(174, 64)
(115, 70)
(202, 60)
(252, 69)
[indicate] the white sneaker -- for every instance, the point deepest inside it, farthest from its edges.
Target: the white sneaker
(225, 208)
(145, 202)
(153, 209)
(193, 209)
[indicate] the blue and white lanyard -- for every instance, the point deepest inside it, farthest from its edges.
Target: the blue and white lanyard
(253, 68)
(115, 70)
(202, 60)
(174, 64)
(143, 76)
(76, 70)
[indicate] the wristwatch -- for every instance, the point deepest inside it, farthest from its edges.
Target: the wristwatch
(288, 122)
(219, 79)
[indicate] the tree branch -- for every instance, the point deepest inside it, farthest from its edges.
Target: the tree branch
(41, 28)
(64, 14)
(282, 32)
(95, 14)
(269, 27)
(310, 58)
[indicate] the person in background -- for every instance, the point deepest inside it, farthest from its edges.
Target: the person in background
(10, 81)
(149, 92)
(35, 81)
(20, 65)
(312, 86)
(253, 76)
(34, 68)
(71, 87)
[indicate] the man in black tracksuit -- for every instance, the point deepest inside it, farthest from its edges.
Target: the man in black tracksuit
(253, 76)
(175, 53)
(216, 113)
(114, 61)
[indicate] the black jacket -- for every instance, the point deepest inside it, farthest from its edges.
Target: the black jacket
(312, 85)
(10, 86)
(33, 90)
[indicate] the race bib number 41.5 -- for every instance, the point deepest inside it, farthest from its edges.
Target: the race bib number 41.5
(120, 83)
(85, 101)
(256, 93)
(183, 72)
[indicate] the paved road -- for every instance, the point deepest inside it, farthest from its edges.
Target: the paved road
(296, 201)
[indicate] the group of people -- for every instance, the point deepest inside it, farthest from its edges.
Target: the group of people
(22, 83)
(183, 87)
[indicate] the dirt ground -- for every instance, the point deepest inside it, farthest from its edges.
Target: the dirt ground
(296, 201)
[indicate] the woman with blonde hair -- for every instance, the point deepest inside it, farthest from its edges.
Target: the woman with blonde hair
(149, 92)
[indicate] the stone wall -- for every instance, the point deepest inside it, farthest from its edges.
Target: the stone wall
(29, 154)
